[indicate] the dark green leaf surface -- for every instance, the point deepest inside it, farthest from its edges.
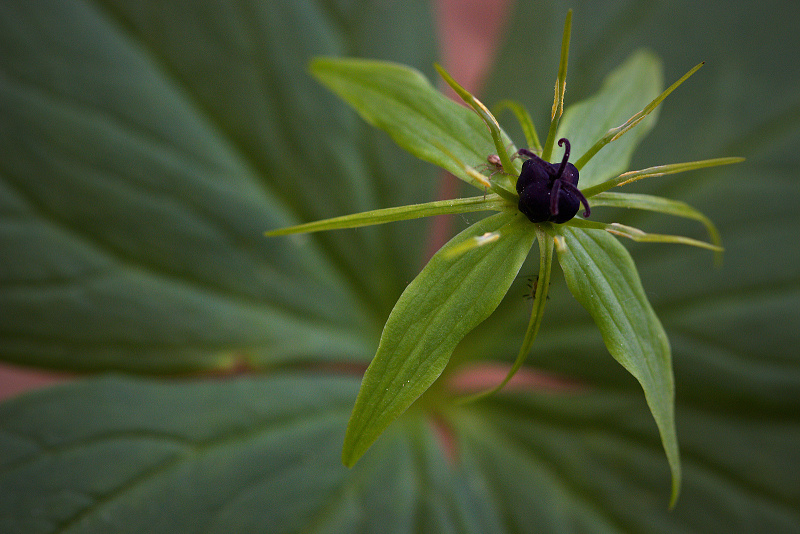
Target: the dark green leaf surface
(119, 455)
(254, 455)
(450, 297)
(145, 148)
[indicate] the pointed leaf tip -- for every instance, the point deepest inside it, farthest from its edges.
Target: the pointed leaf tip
(600, 273)
(451, 296)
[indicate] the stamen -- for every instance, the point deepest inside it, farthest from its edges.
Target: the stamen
(525, 152)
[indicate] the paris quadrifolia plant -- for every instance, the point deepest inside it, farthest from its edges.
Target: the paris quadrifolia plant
(535, 201)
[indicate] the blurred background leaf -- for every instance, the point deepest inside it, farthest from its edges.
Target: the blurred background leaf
(147, 145)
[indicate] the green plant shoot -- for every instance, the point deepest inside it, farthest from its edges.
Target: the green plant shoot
(466, 279)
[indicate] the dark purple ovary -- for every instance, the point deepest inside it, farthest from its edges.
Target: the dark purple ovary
(549, 192)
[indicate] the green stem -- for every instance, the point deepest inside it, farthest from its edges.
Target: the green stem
(484, 113)
(539, 300)
(561, 88)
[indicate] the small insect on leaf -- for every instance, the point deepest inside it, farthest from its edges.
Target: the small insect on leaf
(494, 161)
(493, 164)
(533, 282)
(548, 191)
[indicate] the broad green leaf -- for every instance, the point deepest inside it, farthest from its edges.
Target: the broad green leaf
(450, 297)
(602, 276)
(625, 92)
(141, 159)
(539, 290)
(250, 455)
(124, 455)
(420, 119)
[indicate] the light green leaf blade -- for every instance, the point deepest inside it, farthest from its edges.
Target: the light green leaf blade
(403, 103)
(539, 290)
(625, 92)
(601, 275)
(447, 300)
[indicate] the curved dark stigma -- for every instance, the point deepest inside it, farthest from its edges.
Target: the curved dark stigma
(572, 188)
(563, 141)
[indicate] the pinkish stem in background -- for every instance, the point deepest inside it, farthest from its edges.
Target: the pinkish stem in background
(15, 380)
(484, 376)
(468, 33)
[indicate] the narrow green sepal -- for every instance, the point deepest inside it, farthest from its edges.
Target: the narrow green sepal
(525, 122)
(660, 170)
(615, 133)
(636, 234)
(490, 202)
(560, 90)
(501, 141)
(657, 204)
